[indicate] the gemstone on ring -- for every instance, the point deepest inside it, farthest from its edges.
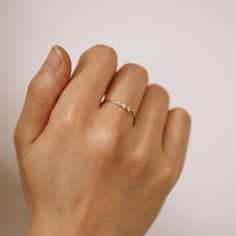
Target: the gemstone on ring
(123, 105)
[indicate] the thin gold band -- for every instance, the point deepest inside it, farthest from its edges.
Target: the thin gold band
(123, 105)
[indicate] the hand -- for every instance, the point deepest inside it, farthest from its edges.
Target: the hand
(86, 168)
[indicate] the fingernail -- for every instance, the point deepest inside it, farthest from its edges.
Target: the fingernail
(54, 60)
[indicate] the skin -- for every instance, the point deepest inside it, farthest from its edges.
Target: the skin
(86, 168)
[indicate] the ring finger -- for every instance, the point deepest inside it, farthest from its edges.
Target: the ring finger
(128, 86)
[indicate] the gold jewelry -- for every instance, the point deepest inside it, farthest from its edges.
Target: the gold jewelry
(123, 105)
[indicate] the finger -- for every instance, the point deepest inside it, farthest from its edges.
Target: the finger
(128, 86)
(43, 92)
(152, 115)
(94, 71)
(176, 134)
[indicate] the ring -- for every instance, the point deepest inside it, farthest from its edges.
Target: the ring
(123, 105)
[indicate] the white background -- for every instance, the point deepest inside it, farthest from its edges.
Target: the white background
(188, 46)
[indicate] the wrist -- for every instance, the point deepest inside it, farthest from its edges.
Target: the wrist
(61, 226)
(54, 226)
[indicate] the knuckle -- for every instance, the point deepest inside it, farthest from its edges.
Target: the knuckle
(67, 122)
(185, 116)
(137, 69)
(167, 176)
(16, 137)
(101, 50)
(140, 154)
(160, 91)
(36, 90)
(164, 94)
(137, 160)
(63, 121)
(19, 142)
(106, 140)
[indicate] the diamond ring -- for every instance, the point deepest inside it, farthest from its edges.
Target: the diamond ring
(123, 105)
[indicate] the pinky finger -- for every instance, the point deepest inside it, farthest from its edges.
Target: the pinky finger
(176, 135)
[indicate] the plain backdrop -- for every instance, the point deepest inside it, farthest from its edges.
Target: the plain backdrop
(188, 46)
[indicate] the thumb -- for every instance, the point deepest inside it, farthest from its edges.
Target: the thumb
(42, 94)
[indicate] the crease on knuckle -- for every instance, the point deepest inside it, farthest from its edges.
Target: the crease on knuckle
(37, 90)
